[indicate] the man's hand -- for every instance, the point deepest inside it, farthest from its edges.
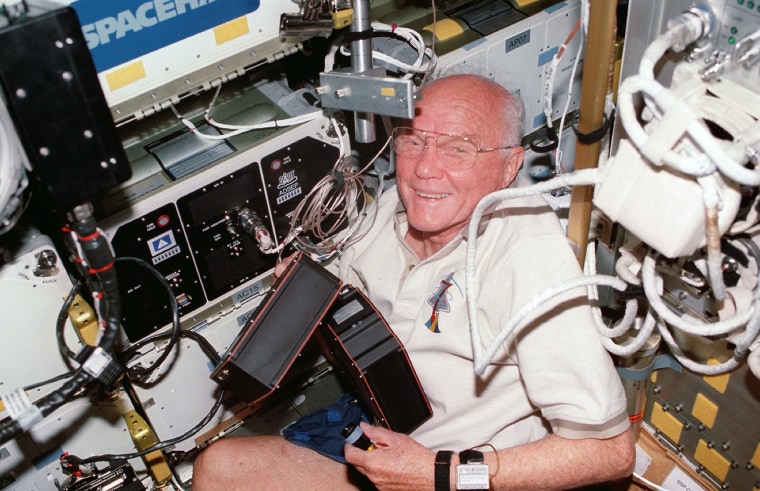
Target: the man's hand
(283, 264)
(397, 462)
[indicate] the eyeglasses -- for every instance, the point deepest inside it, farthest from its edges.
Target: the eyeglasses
(455, 152)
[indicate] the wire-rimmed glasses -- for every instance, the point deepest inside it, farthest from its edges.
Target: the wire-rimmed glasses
(456, 152)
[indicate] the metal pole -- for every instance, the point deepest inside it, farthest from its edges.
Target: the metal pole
(361, 61)
(596, 84)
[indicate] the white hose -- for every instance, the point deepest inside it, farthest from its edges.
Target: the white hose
(686, 323)
(482, 358)
(631, 345)
(547, 299)
(690, 364)
(697, 130)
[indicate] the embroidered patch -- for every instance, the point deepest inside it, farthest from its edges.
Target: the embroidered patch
(439, 301)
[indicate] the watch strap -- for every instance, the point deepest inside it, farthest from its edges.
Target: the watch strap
(443, 470)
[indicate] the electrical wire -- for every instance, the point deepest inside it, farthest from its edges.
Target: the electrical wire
(410, 36)
(235, 130)
(214, 357)
(482, 355)
(559, 168)
(99, 261)
(49, 381)
(63, 316)
(174, 334)
(551, 75)
(748, 319)
(686, 145)
(340, 200)
(158, 446)
(653, 286)
(631, 345)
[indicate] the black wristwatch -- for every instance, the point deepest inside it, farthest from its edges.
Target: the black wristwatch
(442, 470)
(472, 471)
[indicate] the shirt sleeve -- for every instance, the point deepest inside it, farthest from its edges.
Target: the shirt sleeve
(567, 373)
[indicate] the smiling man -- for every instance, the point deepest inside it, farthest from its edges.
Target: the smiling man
(549, 412)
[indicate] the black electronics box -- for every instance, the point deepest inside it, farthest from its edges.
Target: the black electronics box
(360, 343)
(53, 94)
(274, 336)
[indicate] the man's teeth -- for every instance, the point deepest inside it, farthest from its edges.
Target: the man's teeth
(431, 195)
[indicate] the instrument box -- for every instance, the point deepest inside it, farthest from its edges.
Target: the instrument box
(360, 343)
(353, 335)
(271, 340)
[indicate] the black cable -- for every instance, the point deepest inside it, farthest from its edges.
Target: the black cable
(207, 348)
(49, 381)
(174, 334)
(98, 257)
(212, 354)
(63, 315)
(158, 446)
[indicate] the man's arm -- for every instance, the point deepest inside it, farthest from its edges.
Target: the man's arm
(550, 463)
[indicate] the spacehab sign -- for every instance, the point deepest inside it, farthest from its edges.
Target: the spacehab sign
(117, 31)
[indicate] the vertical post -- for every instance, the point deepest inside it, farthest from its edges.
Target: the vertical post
(361, 61)
(597, 74)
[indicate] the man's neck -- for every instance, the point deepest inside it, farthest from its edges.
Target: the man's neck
(425, 244)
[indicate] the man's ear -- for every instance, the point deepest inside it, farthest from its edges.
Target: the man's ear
(512, 165)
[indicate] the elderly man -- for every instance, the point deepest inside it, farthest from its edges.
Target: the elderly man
(549, 412)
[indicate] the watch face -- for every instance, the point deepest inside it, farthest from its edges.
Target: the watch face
(473, 476)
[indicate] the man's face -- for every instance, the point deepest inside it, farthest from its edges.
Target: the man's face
(439, 201)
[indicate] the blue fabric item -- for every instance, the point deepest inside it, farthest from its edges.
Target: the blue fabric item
(320, 430)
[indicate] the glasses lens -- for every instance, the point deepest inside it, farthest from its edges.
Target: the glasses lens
(408, 143)
(455, 152)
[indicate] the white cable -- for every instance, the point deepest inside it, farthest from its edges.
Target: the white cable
(412, 37)
(690, 364)
(584, 177)
(697, 130)
(552, 73)
(631, 345)
(239, 129)
(686, 323)
(547, 299)
(585, 14)
(623, 267)
(753, 360)
(682, 31)
(558, 153)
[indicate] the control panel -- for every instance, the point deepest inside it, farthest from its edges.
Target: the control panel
(203, 233)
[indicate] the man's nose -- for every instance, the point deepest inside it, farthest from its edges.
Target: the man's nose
(428, 162)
